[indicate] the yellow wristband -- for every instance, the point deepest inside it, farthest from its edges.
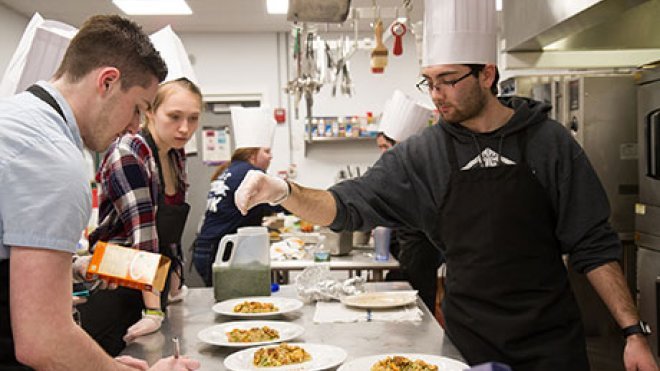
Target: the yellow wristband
(155, 312)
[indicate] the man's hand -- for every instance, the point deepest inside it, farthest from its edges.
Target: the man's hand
(134, 363)
(258, 188)
(148, 324)
(170, 363)
(637, 354)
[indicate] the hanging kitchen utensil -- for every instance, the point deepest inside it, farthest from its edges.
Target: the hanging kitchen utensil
(346, 82)
(398, 30)
(339, 64)
(293, 87)
(379, 53)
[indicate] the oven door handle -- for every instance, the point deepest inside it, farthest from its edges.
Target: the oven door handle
(652, 143)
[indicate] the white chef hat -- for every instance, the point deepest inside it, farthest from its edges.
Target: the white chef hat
(403, 117)
(253, 127)
(176, 58)
(38, 54)
(459, 32)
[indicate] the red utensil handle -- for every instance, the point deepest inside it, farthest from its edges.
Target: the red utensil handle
(398, 30)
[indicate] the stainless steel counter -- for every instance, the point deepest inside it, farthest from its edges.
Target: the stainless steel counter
(187, 318)
(354, 263)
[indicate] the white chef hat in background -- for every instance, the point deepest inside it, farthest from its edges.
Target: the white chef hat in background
(171, 49)
(403, 117)
(459, 32)
(253, 127)
(38, 54)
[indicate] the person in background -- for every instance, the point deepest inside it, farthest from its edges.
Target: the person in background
(383, 142)
(505, 191)
(108, 76)
(419, 259)
(253, 130)
(142, 205)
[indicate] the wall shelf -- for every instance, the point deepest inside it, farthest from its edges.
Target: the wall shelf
(340, 139)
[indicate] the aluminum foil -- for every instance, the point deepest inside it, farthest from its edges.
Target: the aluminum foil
(315, 283)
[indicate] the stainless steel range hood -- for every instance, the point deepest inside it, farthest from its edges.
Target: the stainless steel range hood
(534, 29)
(532, 25)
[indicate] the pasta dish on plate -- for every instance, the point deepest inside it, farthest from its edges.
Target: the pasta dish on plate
(252, 335)
(255, 307)
(281, 355)
(398, 363)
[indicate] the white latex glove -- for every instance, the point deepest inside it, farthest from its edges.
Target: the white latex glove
(258, 188)
(179, 364)
(148, 324)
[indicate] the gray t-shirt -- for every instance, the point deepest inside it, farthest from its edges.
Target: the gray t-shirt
(45, 196)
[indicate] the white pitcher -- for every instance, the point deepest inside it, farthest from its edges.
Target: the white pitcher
(246, 271)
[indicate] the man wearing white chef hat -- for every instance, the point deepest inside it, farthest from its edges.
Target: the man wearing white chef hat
(254, 130)
(505, 191)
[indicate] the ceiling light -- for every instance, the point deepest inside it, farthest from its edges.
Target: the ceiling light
(498, 5)
(153, 7)
(277, 6)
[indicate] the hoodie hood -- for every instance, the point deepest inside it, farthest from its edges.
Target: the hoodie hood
(496, 147)
(528, 112)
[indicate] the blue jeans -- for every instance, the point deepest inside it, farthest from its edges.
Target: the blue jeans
(203, 256)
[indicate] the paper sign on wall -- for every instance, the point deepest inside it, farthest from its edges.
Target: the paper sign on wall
(216, 146)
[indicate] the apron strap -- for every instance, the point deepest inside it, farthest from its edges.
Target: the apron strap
(45, 96)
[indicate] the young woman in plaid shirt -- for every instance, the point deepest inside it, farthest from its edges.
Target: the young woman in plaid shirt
(142, 205)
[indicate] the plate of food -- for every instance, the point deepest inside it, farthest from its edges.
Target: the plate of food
(287, 356)
(250, 333)
(417, 362)
(382, 299)
(257, 306)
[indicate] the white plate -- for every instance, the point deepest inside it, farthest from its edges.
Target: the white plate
(443, 363)
(285, 305)
(323, 357)
(217, 335)
(383, 299)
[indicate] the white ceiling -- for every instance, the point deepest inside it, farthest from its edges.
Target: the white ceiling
(208, 15)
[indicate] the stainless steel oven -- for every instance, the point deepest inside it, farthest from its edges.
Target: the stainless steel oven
(647, 211)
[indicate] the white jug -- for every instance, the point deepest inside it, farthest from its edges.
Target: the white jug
(246, 271)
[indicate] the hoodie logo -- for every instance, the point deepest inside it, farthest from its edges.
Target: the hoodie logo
(490, 159)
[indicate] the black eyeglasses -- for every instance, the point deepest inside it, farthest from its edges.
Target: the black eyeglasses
(427, 86)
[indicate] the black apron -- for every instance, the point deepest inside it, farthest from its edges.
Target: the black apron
(170, 223)
(508, 297)
(7, 355)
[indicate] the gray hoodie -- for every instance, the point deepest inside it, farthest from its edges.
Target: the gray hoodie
(408, 184)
